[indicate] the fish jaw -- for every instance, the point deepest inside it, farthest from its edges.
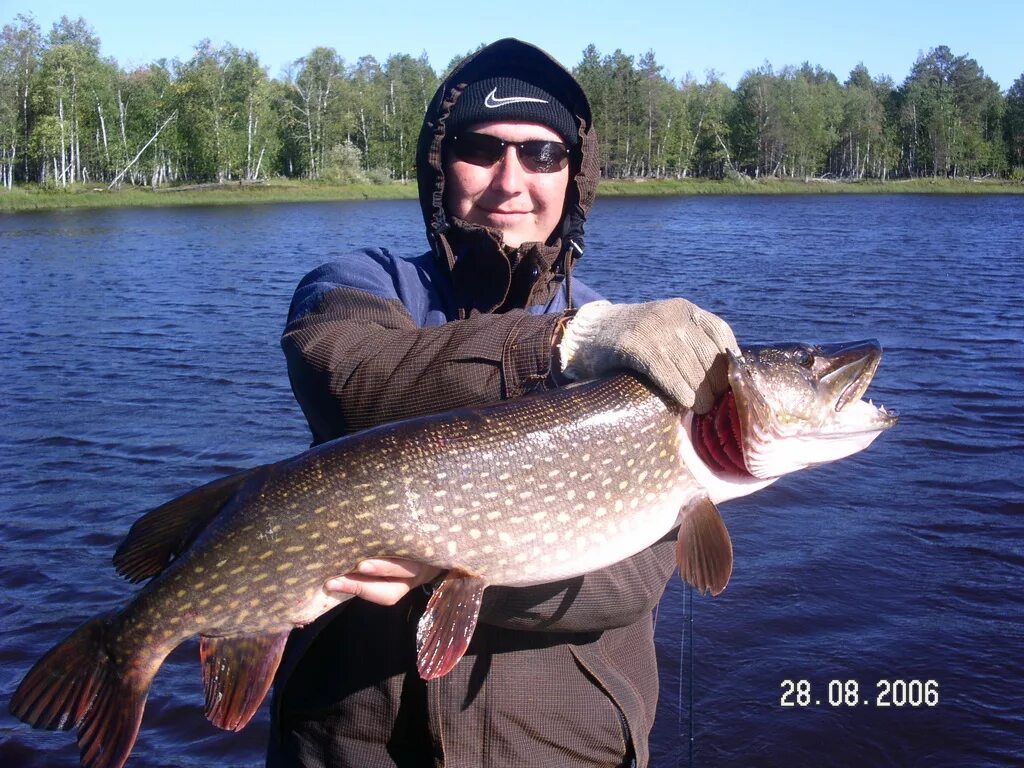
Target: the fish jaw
(717, 485)
(800, 405)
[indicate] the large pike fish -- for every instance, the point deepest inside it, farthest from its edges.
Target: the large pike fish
(527, 491)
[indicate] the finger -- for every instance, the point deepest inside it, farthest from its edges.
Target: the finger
(693, 362)
(390, 568)
(688, 360)
(715, 384)
(415, 572)
(381, 592)
(718, 331)
(670, 375)
(703, 399)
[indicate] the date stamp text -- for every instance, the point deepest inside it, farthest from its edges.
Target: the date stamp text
(851, 693)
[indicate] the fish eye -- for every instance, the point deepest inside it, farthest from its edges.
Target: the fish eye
(804, 357)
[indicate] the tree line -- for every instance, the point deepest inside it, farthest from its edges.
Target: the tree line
(68, 114)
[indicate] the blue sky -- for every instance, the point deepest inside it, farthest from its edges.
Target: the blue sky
(687, 37)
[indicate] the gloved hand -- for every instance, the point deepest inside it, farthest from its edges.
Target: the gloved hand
(673, 342)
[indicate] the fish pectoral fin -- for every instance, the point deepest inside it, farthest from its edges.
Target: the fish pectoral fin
(162, 534)
(704, 549)
(237, 673)
(447, 624)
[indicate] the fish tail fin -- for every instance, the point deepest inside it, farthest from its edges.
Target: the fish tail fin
(79, 684)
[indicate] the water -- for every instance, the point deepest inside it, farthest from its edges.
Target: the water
(141, 357)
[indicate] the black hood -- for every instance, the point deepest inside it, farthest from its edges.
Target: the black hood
(514, 58)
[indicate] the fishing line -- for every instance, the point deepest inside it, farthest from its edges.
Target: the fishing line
(679, 686)
(689, 642)
(685, 646)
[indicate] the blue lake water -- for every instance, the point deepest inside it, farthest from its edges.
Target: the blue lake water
(140, 358)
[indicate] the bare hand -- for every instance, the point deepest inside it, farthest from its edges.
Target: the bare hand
(384, 581)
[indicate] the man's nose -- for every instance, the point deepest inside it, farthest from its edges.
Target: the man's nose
(509, 172)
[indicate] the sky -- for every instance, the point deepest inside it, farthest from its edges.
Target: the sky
(686, 37)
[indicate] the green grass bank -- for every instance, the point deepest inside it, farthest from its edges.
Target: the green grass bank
(27, 198)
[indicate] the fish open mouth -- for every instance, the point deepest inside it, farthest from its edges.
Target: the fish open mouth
(801, 404)
(848, 369)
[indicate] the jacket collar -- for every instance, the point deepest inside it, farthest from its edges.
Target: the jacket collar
(489, 276)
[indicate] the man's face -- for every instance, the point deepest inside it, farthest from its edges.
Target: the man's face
(525, 206)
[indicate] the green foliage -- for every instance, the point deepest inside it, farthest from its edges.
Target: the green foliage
(20, 46)
(69, 116)
(1014, 124)
(863, 147)
(344, 165)
(225, 120)
(951, 117)
(311, 114)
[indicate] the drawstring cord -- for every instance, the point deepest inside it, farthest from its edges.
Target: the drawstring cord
(567, 268)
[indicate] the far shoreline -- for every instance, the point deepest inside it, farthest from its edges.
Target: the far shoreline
(36, 198)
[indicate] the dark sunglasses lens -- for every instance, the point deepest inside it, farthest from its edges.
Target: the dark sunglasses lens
(537, 156)
(478, 148)
(543, 156)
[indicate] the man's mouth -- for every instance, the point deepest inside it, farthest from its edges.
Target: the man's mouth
(490, 212)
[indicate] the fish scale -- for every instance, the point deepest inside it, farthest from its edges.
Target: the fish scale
(522, 492)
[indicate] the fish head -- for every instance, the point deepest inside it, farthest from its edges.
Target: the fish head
(801, 404)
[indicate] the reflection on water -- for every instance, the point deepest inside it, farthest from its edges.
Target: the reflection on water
(141, 357)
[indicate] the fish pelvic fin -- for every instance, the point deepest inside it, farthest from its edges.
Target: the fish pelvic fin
(237, 673)
(447, 624)
(704, 549)
(79, 684)
(162, 534)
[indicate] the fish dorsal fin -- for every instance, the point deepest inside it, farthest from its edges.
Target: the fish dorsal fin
(447, 624)
(704, 549)
(237, 673)
(162, 534)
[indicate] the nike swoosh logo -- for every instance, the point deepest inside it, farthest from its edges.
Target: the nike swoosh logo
(492, 101)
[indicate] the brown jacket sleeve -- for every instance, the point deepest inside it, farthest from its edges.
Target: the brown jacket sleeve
(358, 360)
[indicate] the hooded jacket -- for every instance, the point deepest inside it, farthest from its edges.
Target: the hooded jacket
(556, 675)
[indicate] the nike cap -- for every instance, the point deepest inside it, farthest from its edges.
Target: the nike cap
(509, 98)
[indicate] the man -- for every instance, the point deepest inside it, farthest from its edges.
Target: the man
(559, 674)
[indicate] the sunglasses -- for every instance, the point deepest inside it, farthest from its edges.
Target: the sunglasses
(537, 156)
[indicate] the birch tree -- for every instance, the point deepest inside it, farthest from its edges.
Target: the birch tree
(69, 59)
(410, 85)
(250, 122)
(367, 111)
(758, 143)
(315, 87)
(1014, 126)
(613, 85)
(147, 152)
(712, 104)
(861, 129)
(20, 46)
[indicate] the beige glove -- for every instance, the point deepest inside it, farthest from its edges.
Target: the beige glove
(674, 343)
